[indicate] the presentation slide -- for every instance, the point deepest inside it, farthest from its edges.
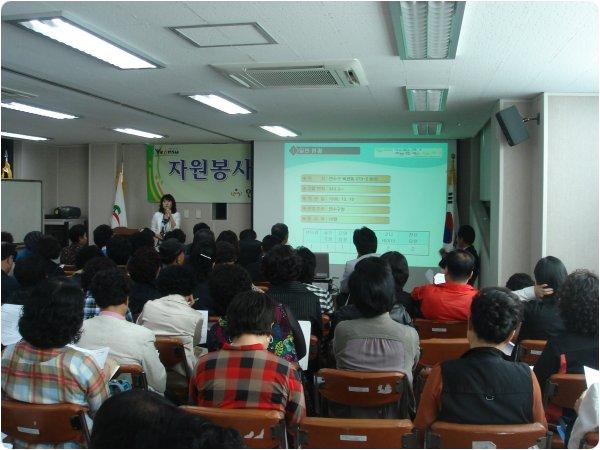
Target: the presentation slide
(396, 189)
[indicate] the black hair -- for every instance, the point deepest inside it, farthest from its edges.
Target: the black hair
(189, 430)
(518, 281)
(281, 264)
(143, 238)
(102, 234)
(399, 266)
(85, 253)
(371, 287)
(495, 313)
(225, 281)
(202, 254)
(76, 232)
(551, 271)
(92, 267)
(7, 237)
(173, 203)
(578, 303)
(200, 226)
(309, 264)
(48, 247)
(247, 235)
(53, 314)
(466, 233)
(169, 250)
(249, 252)
(110, 288)
(225, 253)
(8, 250)
(143, 265)
(30, 271)
(280, 231)
(177, 233)
(119, 249)
(175, 280)
(31, 239)
(459, 264)
(268, 242)
(231, 237)
(250, 313)
(365, 241)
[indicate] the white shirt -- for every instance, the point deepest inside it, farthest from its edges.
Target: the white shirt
(157, 224)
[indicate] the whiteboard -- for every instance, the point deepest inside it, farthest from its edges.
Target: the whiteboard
(22, 207)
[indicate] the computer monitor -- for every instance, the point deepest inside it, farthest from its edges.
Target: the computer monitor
(322, 269)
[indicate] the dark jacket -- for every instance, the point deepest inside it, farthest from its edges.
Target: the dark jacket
(541, 320)
(303, 304)
(9, 285)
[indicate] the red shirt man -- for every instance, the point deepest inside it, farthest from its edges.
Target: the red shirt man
(450, 300)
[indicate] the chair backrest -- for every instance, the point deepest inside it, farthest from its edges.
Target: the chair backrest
(36, 424)
(349, 387)
(563, 389)
(138, 376)
(260, 428)
(434, 351)
(456, 435)
(171, 352)
(320, 432)
(430, 329)
(530, 350)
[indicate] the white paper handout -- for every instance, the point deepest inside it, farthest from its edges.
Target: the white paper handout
(99, 355)
(305, 326)
(591, 376)
(10, 323)
(204, 332)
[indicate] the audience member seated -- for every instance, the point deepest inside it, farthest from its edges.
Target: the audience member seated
(78, 238)
(374, 342)
(450, 300)
(464, 241)
(249, 247)
(281, 232)
(199, 226)
(83, 255)
(255, 268)
(119, 249)
(48, 248)
(102, 234)
(129, 343)
(225, 253)
(143, 238)
(29, 272)
(243, 374)
(365, 241)
(518, 281)
(143, 268)
(171, 252)
(577, 346)
(42, 368)
(231, 237)
(200, 262)
(481, 387)
(403, 309)
(542, 318)
(225, 283)
(177, 233)
(282, 267)
(30, 240)
(172, 314)
(144, 419)
(307, 275)
(9, 284)
(7, 237)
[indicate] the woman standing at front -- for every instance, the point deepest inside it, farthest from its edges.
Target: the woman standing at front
(166, 218)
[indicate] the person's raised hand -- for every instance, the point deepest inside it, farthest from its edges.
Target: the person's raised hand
(542, 290)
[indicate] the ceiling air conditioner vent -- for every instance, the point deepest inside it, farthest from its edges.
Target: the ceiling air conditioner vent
(336, 74)
(9, 94)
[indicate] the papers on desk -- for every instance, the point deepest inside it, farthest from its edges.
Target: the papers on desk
(305, 326)
(10, 323)
(99, 355)
(591, 376)
(204, 333)
(435, 278)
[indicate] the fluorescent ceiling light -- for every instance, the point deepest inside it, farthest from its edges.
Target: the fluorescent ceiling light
(38, 111)
(80, 38)
(427, 99)
(220, 103)
(427, 30)
(138, 133)
(427, 128)
(22, 136)
(279, 131)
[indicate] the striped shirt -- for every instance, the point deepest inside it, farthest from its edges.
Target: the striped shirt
(302, 302)
(248, 377)
(325, 299)
(48, 376)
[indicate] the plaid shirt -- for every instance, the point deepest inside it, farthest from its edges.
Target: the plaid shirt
(248, 377)
(91, 309)
(56, 375)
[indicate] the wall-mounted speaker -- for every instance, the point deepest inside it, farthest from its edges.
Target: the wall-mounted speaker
(512, 125)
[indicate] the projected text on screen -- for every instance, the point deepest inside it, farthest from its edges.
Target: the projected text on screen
(396, 189)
